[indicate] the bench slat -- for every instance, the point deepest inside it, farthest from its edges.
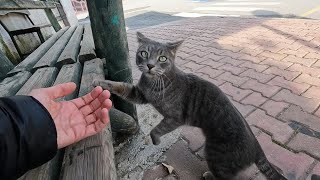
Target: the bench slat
(87, 50)
(93, 157)
(33, 58)
(70, 52)
(52, 55)
(51, 170)
(43, 77)
(21, 4)
(10, 85)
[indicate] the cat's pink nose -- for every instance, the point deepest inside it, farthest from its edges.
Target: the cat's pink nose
(150, 66)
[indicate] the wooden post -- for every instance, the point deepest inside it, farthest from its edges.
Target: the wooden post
(110, 38)
(53, 20)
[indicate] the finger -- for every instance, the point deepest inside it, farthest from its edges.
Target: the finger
(107, 104)
(86, 99)
(60, 90)
(99, 101)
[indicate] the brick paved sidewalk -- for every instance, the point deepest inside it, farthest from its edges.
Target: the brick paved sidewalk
(269, 68)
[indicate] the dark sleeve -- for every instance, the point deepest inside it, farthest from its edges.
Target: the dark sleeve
(28, 136)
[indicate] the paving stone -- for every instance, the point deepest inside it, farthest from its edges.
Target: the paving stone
(256, 67)
(193, 136)
(213, 57)
(305, 78)
(231, 54)
(213, 81)
(254, 99)
(199, 53)
(272, 55)
(295, 87)
(193, 66)
(201, 153)
(312, 92)
(186, 165)
(306, 70)
(315, 170)
(254, 59)
(266, 89)
(317, 64)
(285, 159)
(236, 93)
(245, 110)
(233, 69)
(252, 52)
(313, 55)
(307, 104)
(235, 80)
(288, 75)
(156, 172)
(317, 113)
(295, 113)
(261, 77)
(273, 108)
(229, 60)
(303, 61)
(279, 131)
(278, 64)
(213, 64)
(307, 144)
(210, 72)
(298, 53)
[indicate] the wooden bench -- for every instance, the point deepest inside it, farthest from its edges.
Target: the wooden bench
(57, 61)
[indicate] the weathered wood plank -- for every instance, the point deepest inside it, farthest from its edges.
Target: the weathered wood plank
(51, 170)
(33, 58)
(5, 65)
(11, 85)
(91, 158)
(43, 77)
(52, 55)
(25, 4)
(87, 50)
(71, 51)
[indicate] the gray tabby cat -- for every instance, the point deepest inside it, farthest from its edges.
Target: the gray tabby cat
(232, 151)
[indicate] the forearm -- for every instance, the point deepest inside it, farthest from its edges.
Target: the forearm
(27, 136)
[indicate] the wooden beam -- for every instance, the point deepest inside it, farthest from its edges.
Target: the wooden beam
(26, 4)
(52, 55)
(110, 38)
(70, 52)
(28, 63)
(87, 52)
(11, 85)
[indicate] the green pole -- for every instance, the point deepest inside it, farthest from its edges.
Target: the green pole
(110, 38)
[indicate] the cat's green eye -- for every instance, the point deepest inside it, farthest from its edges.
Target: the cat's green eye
(162, 59)
(144, 54)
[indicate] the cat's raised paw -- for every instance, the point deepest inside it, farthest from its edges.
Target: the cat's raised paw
(105, 84)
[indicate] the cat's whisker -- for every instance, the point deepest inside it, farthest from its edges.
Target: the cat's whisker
(121, 71)
(163, 90)
(167, 78)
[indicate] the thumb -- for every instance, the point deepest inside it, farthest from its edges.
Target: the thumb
(61, 90)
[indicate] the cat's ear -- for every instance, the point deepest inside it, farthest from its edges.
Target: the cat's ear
(173, 46)
(141, 38)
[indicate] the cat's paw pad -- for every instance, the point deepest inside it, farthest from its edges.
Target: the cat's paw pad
(105, 84)
(208, 176)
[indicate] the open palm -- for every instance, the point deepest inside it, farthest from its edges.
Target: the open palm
(78, 118)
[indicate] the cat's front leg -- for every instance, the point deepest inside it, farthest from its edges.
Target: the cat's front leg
(165, 126)
(124, 90)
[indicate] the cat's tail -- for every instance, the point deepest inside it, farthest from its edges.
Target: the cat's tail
(267, 168)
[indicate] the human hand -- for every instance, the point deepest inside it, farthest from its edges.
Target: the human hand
(78, 118)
